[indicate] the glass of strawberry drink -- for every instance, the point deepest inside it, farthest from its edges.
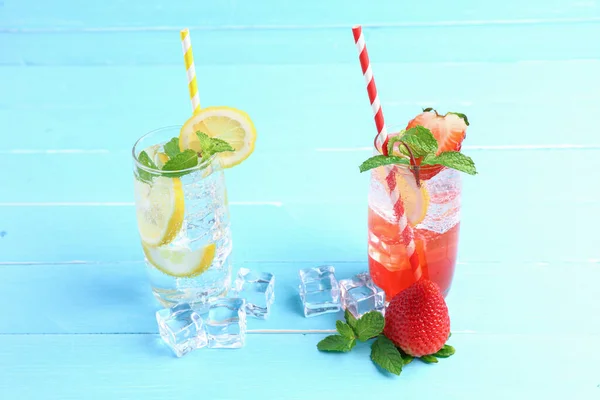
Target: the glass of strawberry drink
(414, 202)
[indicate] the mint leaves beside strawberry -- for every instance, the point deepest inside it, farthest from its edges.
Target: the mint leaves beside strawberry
(370, 326)
(416, 325)
(181, 163)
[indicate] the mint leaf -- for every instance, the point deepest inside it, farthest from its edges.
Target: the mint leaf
(204, 140)
(212, 146)
(344, 329)
(350, 320)
(420, 140)
(219, 146)
(369, 325)
(172, 147)
(430, 359)
(336, 343)
(386, 355)
(445, 351)
(461, 115)
(378, 161)
(454, 160)
(184, 160)
(145, 160)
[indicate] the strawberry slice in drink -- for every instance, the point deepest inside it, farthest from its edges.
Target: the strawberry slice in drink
(449, 130)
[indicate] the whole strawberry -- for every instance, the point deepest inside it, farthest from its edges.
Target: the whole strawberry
(417, 319)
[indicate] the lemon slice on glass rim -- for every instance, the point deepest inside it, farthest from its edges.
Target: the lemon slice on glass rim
(229, 124)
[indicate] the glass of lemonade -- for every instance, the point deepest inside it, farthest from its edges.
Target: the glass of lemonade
(184, 224)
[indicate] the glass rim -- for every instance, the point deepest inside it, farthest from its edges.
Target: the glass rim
(202, 165)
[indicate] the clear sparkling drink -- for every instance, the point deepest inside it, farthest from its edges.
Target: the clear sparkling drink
(184, 224)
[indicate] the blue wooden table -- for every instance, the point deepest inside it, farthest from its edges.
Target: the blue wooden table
(79, 82)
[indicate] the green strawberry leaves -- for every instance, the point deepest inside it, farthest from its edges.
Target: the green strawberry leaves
(445, 351)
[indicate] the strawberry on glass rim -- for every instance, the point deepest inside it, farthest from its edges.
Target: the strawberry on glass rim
(429, 143)
(450, 130)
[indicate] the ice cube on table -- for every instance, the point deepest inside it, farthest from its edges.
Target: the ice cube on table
(258, 289)
(181, 328)
(226, 323)
(319, 290)
(360, 295)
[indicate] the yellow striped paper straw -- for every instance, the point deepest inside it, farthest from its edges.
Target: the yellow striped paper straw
(188, 57)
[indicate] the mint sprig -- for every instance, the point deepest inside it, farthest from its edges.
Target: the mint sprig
(336, 343)
(172, 147)
(384, 352)
(369, 326)
(211, 146)
(419, 140)
(180, 162)
(452, 159)
(380, 161)
(145, 160)
(418, 147)
(183, 161)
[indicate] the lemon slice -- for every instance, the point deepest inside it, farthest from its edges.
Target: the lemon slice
(229, 124)
(160, 209)
(415, 199)
(180, 262)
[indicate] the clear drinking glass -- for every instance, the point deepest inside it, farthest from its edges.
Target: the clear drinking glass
(184, 224)
(433, 214)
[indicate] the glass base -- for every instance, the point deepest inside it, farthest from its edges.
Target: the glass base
(194, 296)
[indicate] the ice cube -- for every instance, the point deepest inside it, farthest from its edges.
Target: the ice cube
(181, 328)
(360, 295)
(257, 288)
(226, 323)
(319, 290)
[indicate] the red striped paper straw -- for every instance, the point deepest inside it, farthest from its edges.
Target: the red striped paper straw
(365, 64)
(406, 232)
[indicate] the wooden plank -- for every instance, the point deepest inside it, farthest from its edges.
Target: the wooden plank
(552, 41)
(61, 14)
(309, 232)
(275, 366)
(306, 177)
(47, 108)
(497, 298)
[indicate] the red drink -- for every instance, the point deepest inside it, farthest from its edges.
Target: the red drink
(435, 208)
